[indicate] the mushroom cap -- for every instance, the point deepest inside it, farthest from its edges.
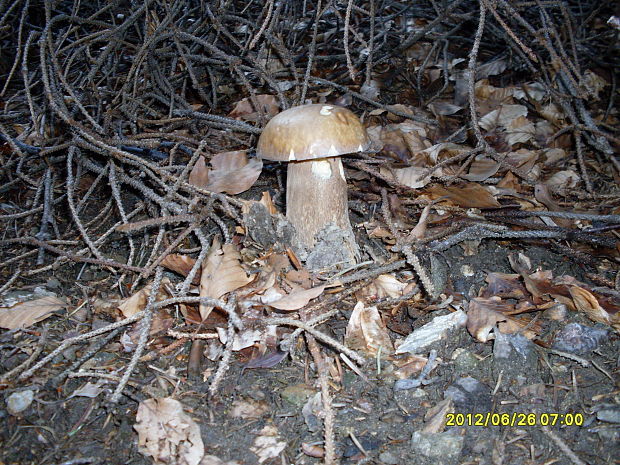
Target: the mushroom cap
(312, 131)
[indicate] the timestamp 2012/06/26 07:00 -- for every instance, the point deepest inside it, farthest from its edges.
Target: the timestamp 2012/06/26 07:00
(514, 419)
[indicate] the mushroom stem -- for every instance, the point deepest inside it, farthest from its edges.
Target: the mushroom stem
(316, 195)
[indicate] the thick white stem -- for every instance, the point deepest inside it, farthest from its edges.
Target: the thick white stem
(316, 195)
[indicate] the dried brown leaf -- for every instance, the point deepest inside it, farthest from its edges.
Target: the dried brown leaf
(382, 286)
(268, 203)
(367, 332)
(519, 131)
(25, 314)
(181, 264)
(564, 179)
(587, 303)
(137, 302)
(167, 434)
(481, 169)
(410, 176)
(199, 176)
(507, 286)
(409, 365)
(244, 109)
(214, 460)
(435, 418)
(297, 299)
(221, 273)
(248, 409)
(485, 314)
(502, 116)
(470, 195)
(444, 108)
(268, 444)
(233, 173)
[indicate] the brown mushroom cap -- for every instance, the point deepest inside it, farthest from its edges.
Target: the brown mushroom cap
(312, 131)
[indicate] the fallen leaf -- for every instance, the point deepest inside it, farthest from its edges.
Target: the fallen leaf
(233, 173)
(25, 314)
(507, 286)
(435, 418)
(439, 328)
(481, 169)
(367, 332)
(248, 409)
(552, 113)
(214, 460)
(523, 159)
(586, 302)
(553, 156)
(502, 116)
(137, 302)
(444, 108)
(243, 339)
(519, 131)
(268, 203)
(408, 365)
(491, 68)
(382, 286)
(162, 321)
(470, 195)
(565, 179)
(167, 434)
(268, 445)
(91, 390)
(445, 150)
(313, 450)
(266, 361)
(244, 109)
(593, 84)
(483, 315)
(297, 299)
(199, 176)
(221, 273)
(181, 264)
(410, 176)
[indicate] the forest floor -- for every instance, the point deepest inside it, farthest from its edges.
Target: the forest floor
(155, 310)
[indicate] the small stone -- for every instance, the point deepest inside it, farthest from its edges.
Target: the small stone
(578, 339)
(444, 448)
(297, 394)
(514, 356)
(19, 401)
(464, 361)
(389, 458)
(432, 332)
(53, 283)
(410, 399)
(393, 417)
(470, 395)
(610, 415)
(467, 271)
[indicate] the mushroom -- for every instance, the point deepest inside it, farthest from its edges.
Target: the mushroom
(311, 138)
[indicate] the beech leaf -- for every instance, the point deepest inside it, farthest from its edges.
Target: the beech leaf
(221, 273)
(297, 299)
(27, 313)
(367, 332)
(199, 176)
(181, 264)
(167, 434)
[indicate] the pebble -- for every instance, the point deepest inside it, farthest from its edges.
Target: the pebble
(19, 401)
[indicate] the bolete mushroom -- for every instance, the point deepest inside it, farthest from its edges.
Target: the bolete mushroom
(311, 138)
